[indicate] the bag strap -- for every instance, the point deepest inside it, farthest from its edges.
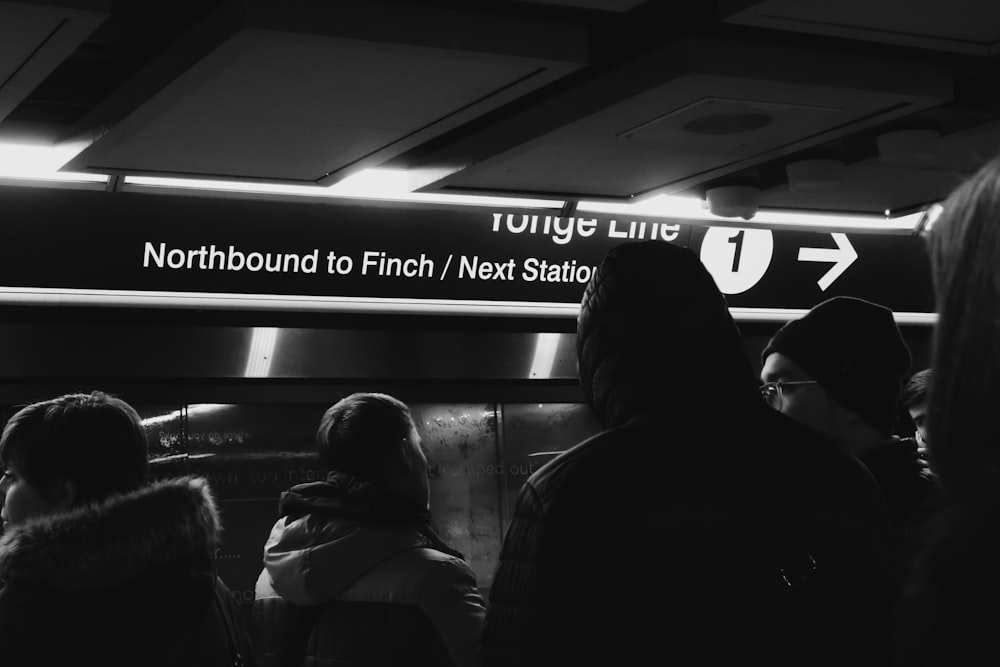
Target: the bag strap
(231, 633)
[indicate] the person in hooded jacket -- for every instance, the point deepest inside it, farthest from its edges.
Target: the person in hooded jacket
(700, 527)
(353, 572)
(98, 567)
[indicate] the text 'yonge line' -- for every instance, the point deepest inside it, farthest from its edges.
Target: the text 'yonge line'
(562, 230)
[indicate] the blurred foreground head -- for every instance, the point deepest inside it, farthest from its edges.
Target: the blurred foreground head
(963, 237)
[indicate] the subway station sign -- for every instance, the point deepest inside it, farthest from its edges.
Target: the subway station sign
(326, 254)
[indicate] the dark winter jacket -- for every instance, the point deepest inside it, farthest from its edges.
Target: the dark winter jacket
(905, 478)
(910, 490)
(126, 582)
(355, 576)
(700, 527)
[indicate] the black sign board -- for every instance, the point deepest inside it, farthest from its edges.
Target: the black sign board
(65, 240)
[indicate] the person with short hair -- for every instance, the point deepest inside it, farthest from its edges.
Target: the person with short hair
(353, 571)
(914, 399)
(96, 565)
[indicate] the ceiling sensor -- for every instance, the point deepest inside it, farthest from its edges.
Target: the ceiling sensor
(733, 201)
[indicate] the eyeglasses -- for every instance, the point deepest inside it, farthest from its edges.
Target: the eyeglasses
(773, 392)
(930, 216)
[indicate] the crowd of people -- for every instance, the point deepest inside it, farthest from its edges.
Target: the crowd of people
(779, 519)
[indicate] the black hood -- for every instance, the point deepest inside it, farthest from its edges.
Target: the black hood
(655, 334)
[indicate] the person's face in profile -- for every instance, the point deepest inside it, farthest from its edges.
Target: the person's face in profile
(918, 413)
(21, 501)
(799, 396)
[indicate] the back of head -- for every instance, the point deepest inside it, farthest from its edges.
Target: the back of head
(855, 350)
(964, 247)
(365, 435)
(94, 440)
(655, 333)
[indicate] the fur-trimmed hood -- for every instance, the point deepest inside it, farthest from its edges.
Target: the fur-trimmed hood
(109, 544)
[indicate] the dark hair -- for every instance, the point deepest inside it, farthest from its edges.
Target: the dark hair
(95, 440)
(916, 389)
(362, 435)
(964, 249)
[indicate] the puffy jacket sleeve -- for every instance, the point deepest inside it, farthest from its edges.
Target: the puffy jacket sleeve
(454, 606)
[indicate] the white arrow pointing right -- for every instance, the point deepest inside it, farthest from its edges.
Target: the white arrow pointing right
(842, 257)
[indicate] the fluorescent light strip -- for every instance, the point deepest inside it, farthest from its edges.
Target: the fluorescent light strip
(285, 302)
(362, 188)
(262, 345)
(691, 208)
(546, 345)
(786, 314)
(42, 163)
(55, 177)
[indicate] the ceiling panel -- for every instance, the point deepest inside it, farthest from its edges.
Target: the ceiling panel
(556, 99)
(698, 110)
(36, 37)
(311, 98)
(961, 26)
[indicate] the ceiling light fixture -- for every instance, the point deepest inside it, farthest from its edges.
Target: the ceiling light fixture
(693, 209)
(35, 162)
(378, 184)
(546, 345)
(262, 345)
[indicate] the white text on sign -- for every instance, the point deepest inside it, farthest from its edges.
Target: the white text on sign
(563, 230)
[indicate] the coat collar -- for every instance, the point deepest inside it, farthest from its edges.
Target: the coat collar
(106, 544)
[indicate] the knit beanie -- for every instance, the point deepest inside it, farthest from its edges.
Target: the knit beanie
(854, 349)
